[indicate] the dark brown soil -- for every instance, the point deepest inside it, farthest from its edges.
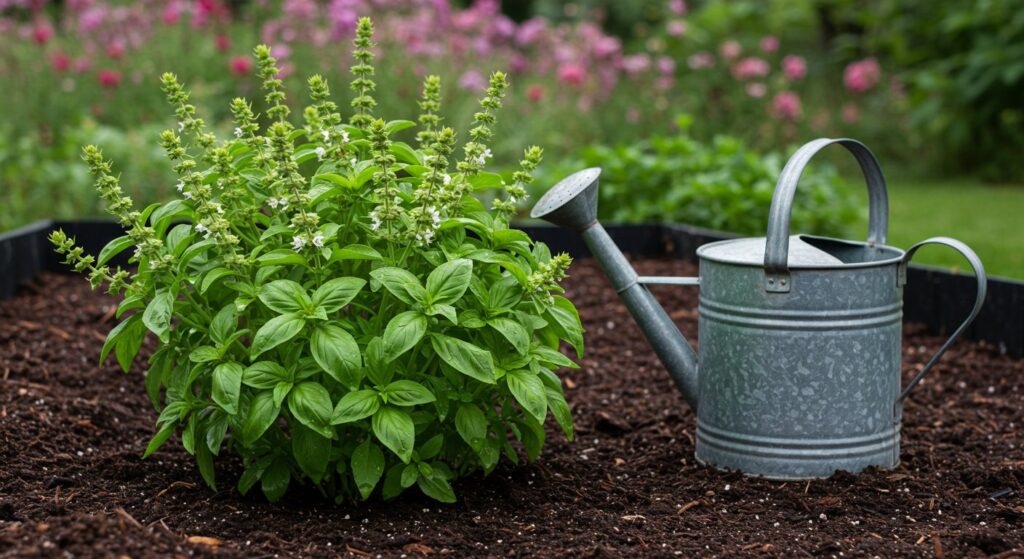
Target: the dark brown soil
(72, 481)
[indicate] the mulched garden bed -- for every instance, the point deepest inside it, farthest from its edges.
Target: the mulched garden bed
(72, 481)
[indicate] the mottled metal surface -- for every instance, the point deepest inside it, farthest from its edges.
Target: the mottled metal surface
(803, 383)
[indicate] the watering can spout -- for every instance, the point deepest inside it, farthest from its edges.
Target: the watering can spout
(572, 203)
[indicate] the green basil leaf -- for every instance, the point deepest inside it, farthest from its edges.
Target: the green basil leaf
(432, 447)
(211, 277)
(129, 335)
(215, 432)
(567, 318)
(355, 252)
(337, 352)
(285, 296)
(531, 434)
(275, 479)
(513, 332)
(227, 384)
(529, 391)
(275, 332)
(264, 375)
(113, 248)
(281, 257)
(224, 324)
(311, 450)
(395, 430)
(204, 459)
(392, 486)
(471, 423)
(407, 393)
(160, 438)
(550, 356)
(394, 126)
(310, 403)
(465, 357)
(402, 284)
(409, 475)
(158, 313)
(204, 354)
(367, 467)
(560, 411)
(447, 311)
(449, 281)
(261, 415)
(436, 487)
(281, 391)
(355, 405)
(402, 333)
(337, 293)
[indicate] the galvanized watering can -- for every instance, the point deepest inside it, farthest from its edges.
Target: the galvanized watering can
(800, 336)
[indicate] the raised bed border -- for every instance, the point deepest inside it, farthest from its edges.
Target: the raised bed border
(935, 297)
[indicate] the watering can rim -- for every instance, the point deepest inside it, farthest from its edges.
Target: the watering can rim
(706, 252)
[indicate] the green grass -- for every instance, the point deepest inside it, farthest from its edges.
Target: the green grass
(989, 218)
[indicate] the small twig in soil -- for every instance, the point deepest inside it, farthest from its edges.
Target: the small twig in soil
(688, 506)
(125, 517)
(359, 552)
(938, 545)
(184, 484)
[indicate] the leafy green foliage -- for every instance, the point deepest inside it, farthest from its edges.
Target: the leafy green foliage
(332, 304)
(720, 185)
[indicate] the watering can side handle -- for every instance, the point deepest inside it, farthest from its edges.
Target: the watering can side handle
(979, 300)
(776, 256)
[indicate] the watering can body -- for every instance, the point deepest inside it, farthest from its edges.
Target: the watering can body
(800, 337)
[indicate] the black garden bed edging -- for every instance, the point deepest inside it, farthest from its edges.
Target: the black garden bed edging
(934, 297)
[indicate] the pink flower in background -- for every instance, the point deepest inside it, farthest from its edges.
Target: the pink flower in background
(91, 18)
(756, 90)
(530, 30)
(535, 93)
(666, 65)
(676, 28)
(240, 65)
(794, 67)
(701, 60)
(280, 51)
(862, 76)
(109, 78)
(786, 106)
(222, 42)
(472, 80)
(572, 74)
(677, 7)
(851, 114)
(751, 67)
(636, 63)
(60, 62)
(730, 50)
(284, 70)
(172, 14)
(605, 47)
(82, 65)
(115, 49)
(42, 33)
(770, 44)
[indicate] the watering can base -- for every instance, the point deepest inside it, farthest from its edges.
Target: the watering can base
(796, 459)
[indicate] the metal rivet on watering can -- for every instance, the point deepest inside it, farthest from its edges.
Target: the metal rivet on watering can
(800, 336)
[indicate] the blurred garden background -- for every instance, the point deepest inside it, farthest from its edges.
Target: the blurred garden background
(691, 107)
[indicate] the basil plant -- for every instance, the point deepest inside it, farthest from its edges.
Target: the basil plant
(335, 305)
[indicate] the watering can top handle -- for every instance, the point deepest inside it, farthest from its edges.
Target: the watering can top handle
(776, 256)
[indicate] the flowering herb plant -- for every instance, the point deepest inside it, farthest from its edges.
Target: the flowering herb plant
(333, 304)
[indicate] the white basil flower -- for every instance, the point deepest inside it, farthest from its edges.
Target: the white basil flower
(238, 132)
(180, 186)
(298, 242)
(318, 240)
(321, 153)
